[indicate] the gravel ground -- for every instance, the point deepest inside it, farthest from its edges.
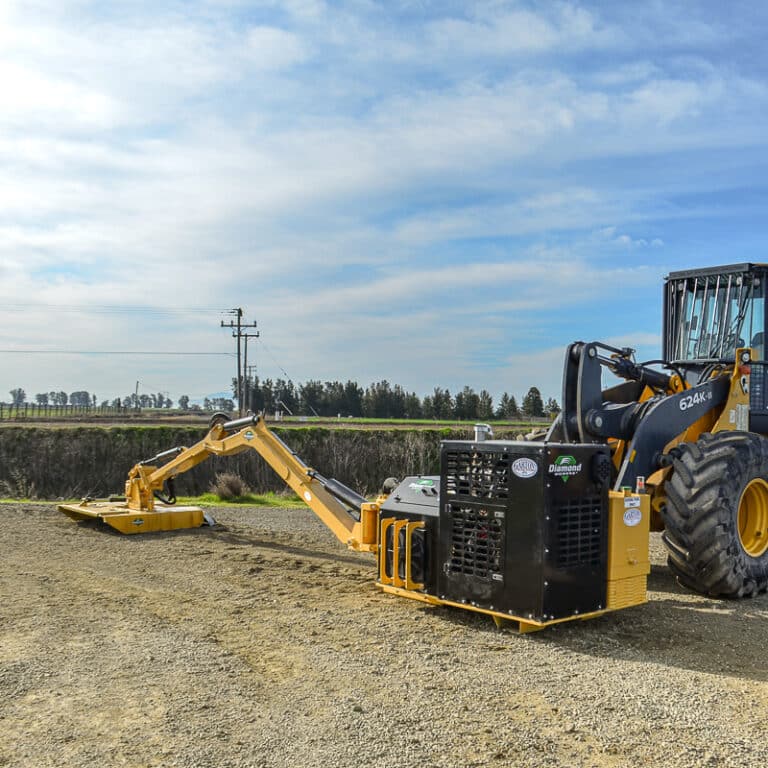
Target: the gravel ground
(263, 642)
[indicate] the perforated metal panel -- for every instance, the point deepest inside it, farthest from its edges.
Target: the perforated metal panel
(579, 532)
(477, 475)
(477, 542)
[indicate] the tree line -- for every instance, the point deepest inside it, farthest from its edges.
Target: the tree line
(382, 400)
(379, 400)
(87, 399)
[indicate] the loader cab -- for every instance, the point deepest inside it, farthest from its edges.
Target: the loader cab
(708, 314)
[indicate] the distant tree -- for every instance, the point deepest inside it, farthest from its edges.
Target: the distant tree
(438, 405)
(396, 407)
(81, 397)
(353, 398)
(94, 399)
(332, 401)
(413, 409)
(533, 405)
(18, 396)
(485, 405)
(465, 404)
(285, 395)
(311, 397)
(552, 408)
(58, 398)
(378, 401)
(184, 402)
(41, 398)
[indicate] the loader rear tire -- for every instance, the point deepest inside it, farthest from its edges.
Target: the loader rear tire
(716, 514)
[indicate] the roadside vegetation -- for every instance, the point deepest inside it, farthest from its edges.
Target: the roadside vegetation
(66, 461)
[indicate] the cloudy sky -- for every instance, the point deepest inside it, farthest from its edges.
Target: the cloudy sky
(435, 193)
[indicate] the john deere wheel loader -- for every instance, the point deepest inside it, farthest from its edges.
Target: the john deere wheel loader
(551, 530)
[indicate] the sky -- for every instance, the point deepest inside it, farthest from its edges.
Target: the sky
(431, 193)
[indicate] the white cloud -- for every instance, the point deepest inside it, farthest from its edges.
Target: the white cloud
(270, 48)
(509, 31)
(359, 182)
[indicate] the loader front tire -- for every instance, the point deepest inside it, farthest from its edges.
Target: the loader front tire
(716, 514)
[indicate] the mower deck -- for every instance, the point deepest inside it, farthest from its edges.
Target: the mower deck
(117, 515)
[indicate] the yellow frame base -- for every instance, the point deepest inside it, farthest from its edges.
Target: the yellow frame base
(524, 625)
(118, 516)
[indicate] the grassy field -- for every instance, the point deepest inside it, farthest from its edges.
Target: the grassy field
(34, 414)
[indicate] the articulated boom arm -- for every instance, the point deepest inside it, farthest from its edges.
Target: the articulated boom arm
(350, 517)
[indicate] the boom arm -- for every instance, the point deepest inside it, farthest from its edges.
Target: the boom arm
(350, 517)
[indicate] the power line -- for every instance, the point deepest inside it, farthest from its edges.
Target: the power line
(110, 309)
(109, 352)
(274, 360)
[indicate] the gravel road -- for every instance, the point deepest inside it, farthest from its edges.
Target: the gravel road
(263, 642)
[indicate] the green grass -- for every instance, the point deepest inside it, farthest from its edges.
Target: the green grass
(206, 499)
(249, 499)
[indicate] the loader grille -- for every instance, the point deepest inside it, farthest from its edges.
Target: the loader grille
(757, 389)
(478, 474)
(477, 542)
(579, 532)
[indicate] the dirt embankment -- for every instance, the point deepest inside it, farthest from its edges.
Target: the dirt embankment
(71, 462)
(264, 643)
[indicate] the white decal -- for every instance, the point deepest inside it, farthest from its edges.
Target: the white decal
(742, 417)
(525, 467)
(631, 501)
(697, 398)
(632, 517)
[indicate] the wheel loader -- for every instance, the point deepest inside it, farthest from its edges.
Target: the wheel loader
(556, 528)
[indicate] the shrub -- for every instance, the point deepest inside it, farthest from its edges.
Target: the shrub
(229, 486)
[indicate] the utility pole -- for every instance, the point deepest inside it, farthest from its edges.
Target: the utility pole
(249, 370)
(237, 333)
(247, 388)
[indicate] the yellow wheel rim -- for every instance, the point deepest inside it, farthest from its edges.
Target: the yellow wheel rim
(753, 517)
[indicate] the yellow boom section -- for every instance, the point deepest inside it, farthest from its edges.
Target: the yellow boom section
(140, 512)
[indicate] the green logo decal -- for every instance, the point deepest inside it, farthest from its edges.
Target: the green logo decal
(565, 467)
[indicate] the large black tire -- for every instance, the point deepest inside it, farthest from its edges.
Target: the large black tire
(711, 481)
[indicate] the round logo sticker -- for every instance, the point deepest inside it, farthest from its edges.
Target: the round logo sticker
(632, 517)
(525, 467)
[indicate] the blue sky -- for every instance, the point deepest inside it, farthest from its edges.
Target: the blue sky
(434, 193)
